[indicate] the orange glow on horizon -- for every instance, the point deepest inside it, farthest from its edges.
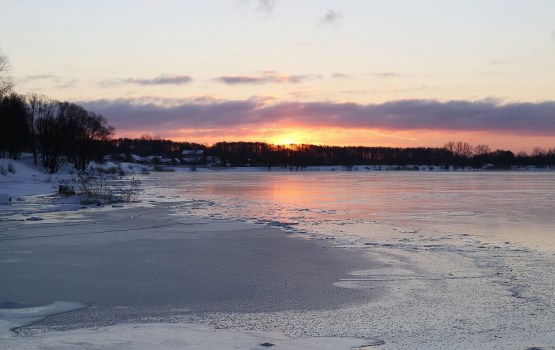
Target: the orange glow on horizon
(289, 136)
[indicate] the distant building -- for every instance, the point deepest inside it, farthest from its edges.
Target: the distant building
(213, 161)
(192, 156)
(487, 166)
(136, 158)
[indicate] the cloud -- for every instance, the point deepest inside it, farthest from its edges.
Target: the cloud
(331, 17)
(340, 76)
(52, 78)
(41, 77)
(269, 77)
(266, 6)
(386, 75)
(160, 80)
(403, 90)
(521, 118)
(70, 83)
(55, 80)
(383, 75)
(497, 62)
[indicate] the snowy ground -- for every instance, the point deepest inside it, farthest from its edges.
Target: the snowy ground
(414, 291)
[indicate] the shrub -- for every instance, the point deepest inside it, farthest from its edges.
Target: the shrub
(104, 189)
(113, 170)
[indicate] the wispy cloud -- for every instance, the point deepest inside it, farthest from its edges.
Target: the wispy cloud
(487, 115)
(160, 80)
(340, 76)
(266, 6)
(263, 6)
(41, 77)
(66, 84)
(382, 75)
(53, 80)
(269, 77)
(331, 17)
(402, 90)
(497, 62)
(386, 75)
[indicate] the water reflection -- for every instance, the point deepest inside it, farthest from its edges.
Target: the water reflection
(498, 206)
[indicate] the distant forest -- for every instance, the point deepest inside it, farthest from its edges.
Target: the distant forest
(58, 132)
(457, 154)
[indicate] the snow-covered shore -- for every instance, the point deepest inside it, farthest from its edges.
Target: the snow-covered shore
(441, 292)
(171, 336)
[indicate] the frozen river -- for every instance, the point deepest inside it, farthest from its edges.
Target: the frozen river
(420, 260)
(492, 206)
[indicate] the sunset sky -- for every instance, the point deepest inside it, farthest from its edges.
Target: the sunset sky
(366, 72)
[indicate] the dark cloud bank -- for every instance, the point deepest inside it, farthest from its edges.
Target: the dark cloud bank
(488, 115)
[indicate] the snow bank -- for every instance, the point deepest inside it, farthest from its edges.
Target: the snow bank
(168, 336)
(26, 179)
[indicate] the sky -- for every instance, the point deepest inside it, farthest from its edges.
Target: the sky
(404, 73)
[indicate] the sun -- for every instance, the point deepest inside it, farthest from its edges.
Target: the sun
(294, 137)
(284, 141)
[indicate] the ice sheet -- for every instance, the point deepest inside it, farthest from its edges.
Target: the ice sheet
(468, 262)
(15, 317)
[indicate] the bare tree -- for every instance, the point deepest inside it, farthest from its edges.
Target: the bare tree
(6, 82)
(50, 137)
(37, 106)
(67, 132)
(482, 149)
(14, 133)
(461, 149)
(538, 152)
(91, 129)
(450, 146)
(464, 149)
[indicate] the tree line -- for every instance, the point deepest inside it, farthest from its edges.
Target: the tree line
(53, 131)
(146, 145)
(457, 154)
